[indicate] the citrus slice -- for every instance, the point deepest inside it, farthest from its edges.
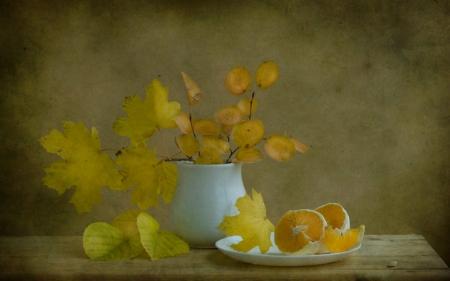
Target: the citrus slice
(335, 215)
(336, 241)
(296, 229)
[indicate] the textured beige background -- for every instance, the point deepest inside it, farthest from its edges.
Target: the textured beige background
(365, 82)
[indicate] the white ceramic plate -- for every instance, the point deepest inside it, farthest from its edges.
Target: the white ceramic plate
(276, 258)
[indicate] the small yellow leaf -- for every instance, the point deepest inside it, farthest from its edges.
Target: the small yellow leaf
(85, 165)
(245, 105)
(266, 74)
(213, 141)
(251, 224)
(300, 146)
(159, 244)
(248, 133)
(228, 114)
(184, 122)
(188, 144)
(193, 90)
(227, 130)
(279, 148)
(251, 155)
(238, 80)
(208, 156)
(206, 126)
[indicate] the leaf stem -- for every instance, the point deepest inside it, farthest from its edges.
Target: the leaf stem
(164, 144)
(251, 104)
(231, 154)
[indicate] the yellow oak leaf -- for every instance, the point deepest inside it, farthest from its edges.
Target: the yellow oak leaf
(159, 244)
(85, 165)
(151, 177)
(146, 117)
(119, 241)
(251, 224)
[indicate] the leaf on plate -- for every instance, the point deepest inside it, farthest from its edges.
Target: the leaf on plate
(85, 165)
(251, 224)
(119, 241)
(146, 117)
(159, 244)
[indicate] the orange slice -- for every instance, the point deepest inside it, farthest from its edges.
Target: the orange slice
(335, 215)
(337, 241)
(297, 229)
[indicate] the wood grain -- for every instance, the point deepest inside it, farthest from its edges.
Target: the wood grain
(63, 258)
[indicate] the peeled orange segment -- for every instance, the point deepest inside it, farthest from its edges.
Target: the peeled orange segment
(296, 229)
(309, 249)
(335, 215)
(336, 241)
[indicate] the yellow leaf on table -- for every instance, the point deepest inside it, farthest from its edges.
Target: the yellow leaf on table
(85, 165)
(159, 244)
(146, 117)
(140, 167)
(119, 241)
(251, 224)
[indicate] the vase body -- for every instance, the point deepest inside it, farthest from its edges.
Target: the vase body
(203, 196)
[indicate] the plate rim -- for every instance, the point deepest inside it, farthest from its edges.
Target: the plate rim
(293, 260)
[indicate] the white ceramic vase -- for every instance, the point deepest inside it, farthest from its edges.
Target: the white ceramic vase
(203, 196)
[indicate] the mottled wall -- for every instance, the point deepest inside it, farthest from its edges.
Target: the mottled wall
(365, 82)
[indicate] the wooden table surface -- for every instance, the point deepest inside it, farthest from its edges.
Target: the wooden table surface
(63, 258)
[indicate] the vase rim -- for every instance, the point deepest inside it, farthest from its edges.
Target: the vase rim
(191, 164)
